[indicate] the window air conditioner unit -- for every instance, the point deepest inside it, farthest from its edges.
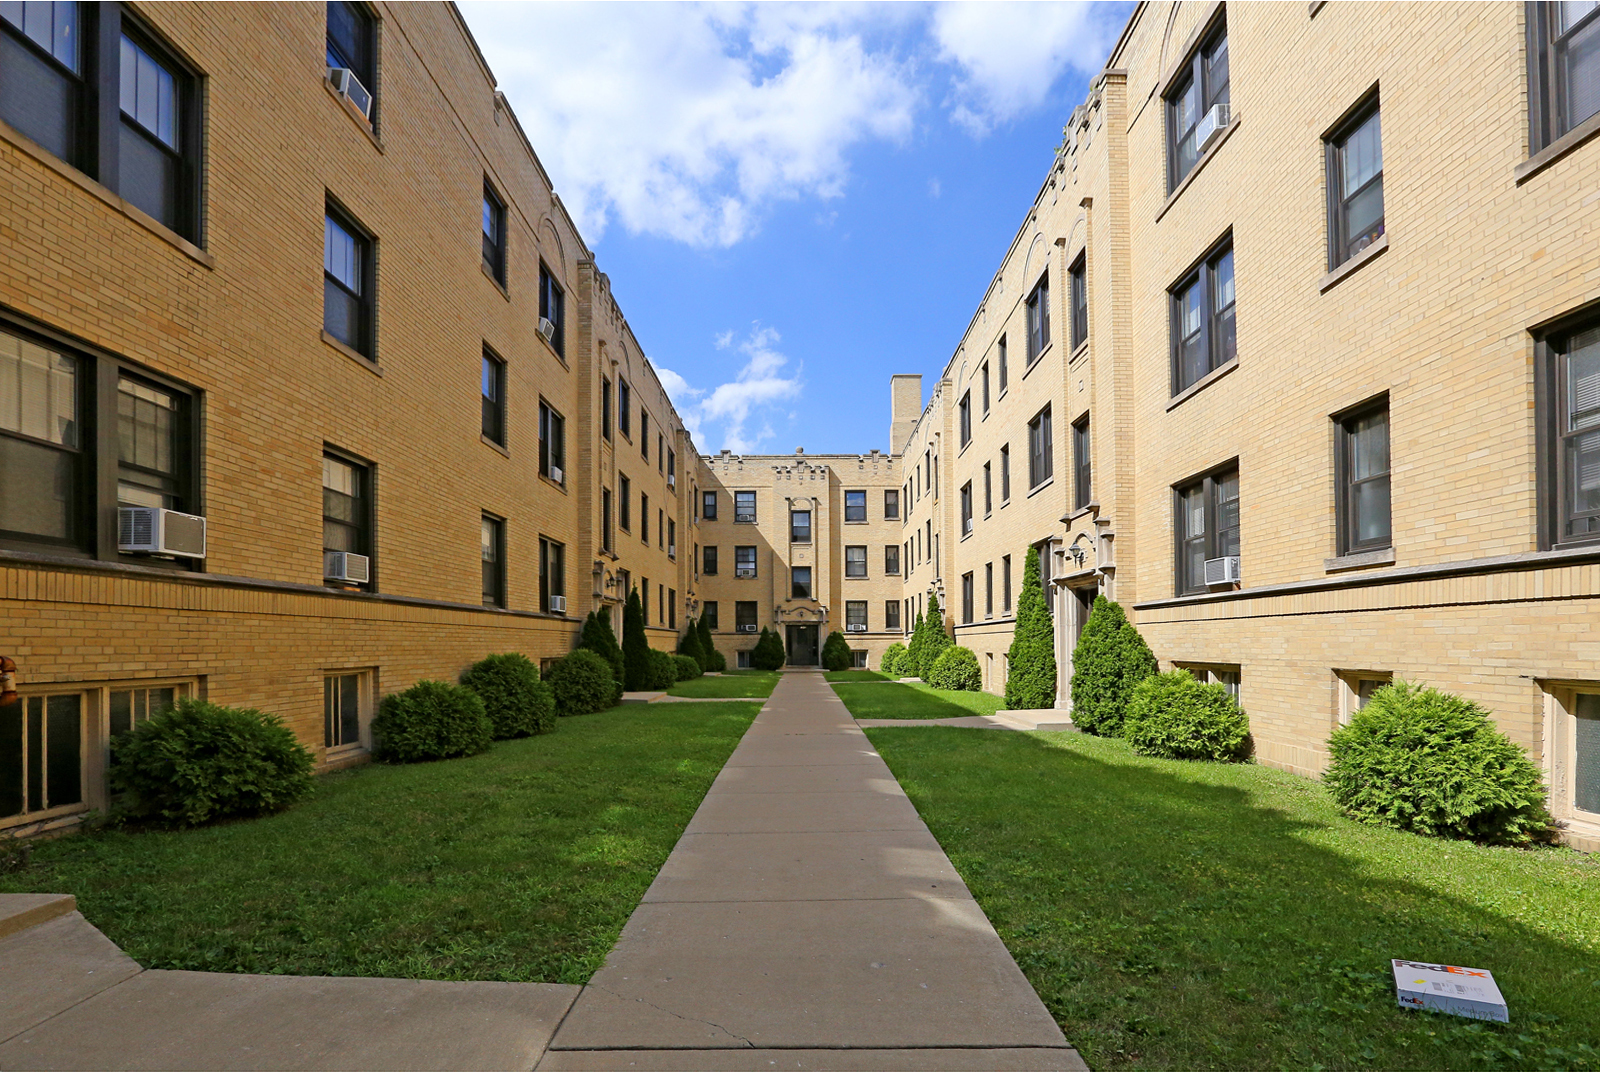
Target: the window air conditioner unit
(344, 566)
(558, 604)
(748, 518)
(547, 328)
(969, 524)
(672, 550)
(744, 573)
(152, 530)
(1222, 570)
(855, 629)
(555, 473)
(350, 88)
(1210, 127)
(747, 629)
(672, 480)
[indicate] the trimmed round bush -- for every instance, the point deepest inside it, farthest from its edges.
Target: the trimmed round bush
(890, 663)
(517, 702)
(431, 720)
(1173, 716)
(202, 761)
(687, 667)
(1433, 763)
(956, 668)
(836, 653)
(661, 671)
(581, 683)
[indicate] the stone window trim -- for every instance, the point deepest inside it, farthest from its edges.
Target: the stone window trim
(1332, 278)
(1562, 698)
(1201, 384)
(1575, 138)
(1544, 78)
(1548, 392)
(1199, 165)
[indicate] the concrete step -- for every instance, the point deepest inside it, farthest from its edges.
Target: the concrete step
(19, 911)
(52, 967)
(1036, 719)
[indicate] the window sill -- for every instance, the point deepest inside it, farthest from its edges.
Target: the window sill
(1090, 507)
(1557, 149)
(548, 345)
(1370, 253)
(111, 199)
(558, 485)
(355, 355)
(1031, 365)
(1080, 353)
(362, 123)
(858, 578)
(1034, 491)
(963, 448)
(1201, 384)
(1384, 556)
(1199, 165)
(490, 276)
(491, 444)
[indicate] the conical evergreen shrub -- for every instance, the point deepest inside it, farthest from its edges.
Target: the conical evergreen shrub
(635, 644)
(1109, 662)
(716, 662)
(689, 644)
(598, 638)
(768, 653)
(836, 653)
(1031, 661)
(907, 666)
(936, 641)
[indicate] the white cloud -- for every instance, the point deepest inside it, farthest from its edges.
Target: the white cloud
(1010, 54)
(758, 387)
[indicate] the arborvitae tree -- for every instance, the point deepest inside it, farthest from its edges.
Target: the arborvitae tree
(714, 659)
(1031, 679)
(598, 638)
(768, 654)
(689, 644)
(909, 661)
(836, 653)
(635, 645)
(1108, 664)
(936, 641)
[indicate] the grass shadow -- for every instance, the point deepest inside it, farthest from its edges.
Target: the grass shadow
(754, 684)
(896, 700)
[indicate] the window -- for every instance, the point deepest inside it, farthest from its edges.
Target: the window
(661, 604)
(1203, 336)
(1356, 689)
(708, 614)
(347, 510)
(1005, 585)
(672, 468)
(744, 507)
(624, 407)
(1569, 429)
(672, 608)
(494, 234)
(605, 519)
(964, 409)
(644, 518)
(800, 525)
(1080, 302)
(1563, 68)
(552, 443)
(966, 598)
(1039, 319)
(346, 709)
(966, 509)
(1082, 490)
(1201, 88)
(132, 707)
(1041, 452)
(661, 527)
(891, 504)
(644, 434)
(710, 565)
(855, 506)
(708, 509)
(352, 42)
(552, 307)
(1363, 479)
(800, 582)
(661, 452)
(1355, 184)
(1585, 753)
(494, 399)
(855, 615)
(891, 615)
(152, 444)
(988, 490)
(1000, 357)
(494, 561)
(744, 561)
(855, 561)
(552, 575)
(605, 407)
(644, 598)
(1226, 676)
(625, 494)
(988, 589)
(891, 560)
(984, 374)
(44, 93)
(1207, 527)
(672, 538)
(1005, 473)
(155, 164)
(744, 615)
(41, 754)
(347, 282)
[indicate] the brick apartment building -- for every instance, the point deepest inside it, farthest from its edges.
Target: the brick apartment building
(418, 434)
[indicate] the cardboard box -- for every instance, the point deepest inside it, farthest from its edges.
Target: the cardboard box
(1449, 988)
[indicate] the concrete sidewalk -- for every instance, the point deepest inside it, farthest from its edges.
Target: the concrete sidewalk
(808, 919)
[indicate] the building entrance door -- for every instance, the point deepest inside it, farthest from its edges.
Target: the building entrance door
(802, 644)
(1080, 604)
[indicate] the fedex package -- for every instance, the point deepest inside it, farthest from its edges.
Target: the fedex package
(1449, 988)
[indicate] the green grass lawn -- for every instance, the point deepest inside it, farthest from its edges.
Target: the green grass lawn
(520, 864)
(731, 683)
(855, 675)
(914, 700)
(1186, 915)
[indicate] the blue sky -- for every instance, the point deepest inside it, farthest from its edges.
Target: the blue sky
(795, 201)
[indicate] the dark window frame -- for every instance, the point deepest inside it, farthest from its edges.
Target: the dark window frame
(891, 560)
(891, 504)
(624, 409)
(1005, 473)
(1080, 300)
(753, 557)
(708, 614)
(494, 588)
(708, 506)
(552, 441)
(366, 72)
(743, 609)
(1082, 463)
(605, 408)
(1000, 357)
(1548, 121)
(967, 601)
(494, 247)
(1217, 334)
(850, 560)
(1199, 73)
(964, 423)
(754, 515)
(856, 613)
(1334, 145)
(553, 307)
(1037, 307)
(366, 244)
(1554, 481)
(1041, 449)
(552, 572)
(364, 526)
(708, 559)
(800, 589)
(494, 407)
(967, 526)
(851, 509)
(1209, 483)
(891, 615)
(795, 534)
(1349, 542)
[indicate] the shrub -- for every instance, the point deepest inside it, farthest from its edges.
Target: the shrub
(517, 702)
(936, 641)
(836, 654)
(1031, 659)
(663, 670)
(1433, 763)
(689, 644)
(715, 660)
(686, 667)
(892, 656)
(201, 761)
(598, 638)
(1173, 716)
(908, 661)
(431, 720)
(1108, 664)
(768, 654)
(635, 644)
(581, 683)
(956, 668)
